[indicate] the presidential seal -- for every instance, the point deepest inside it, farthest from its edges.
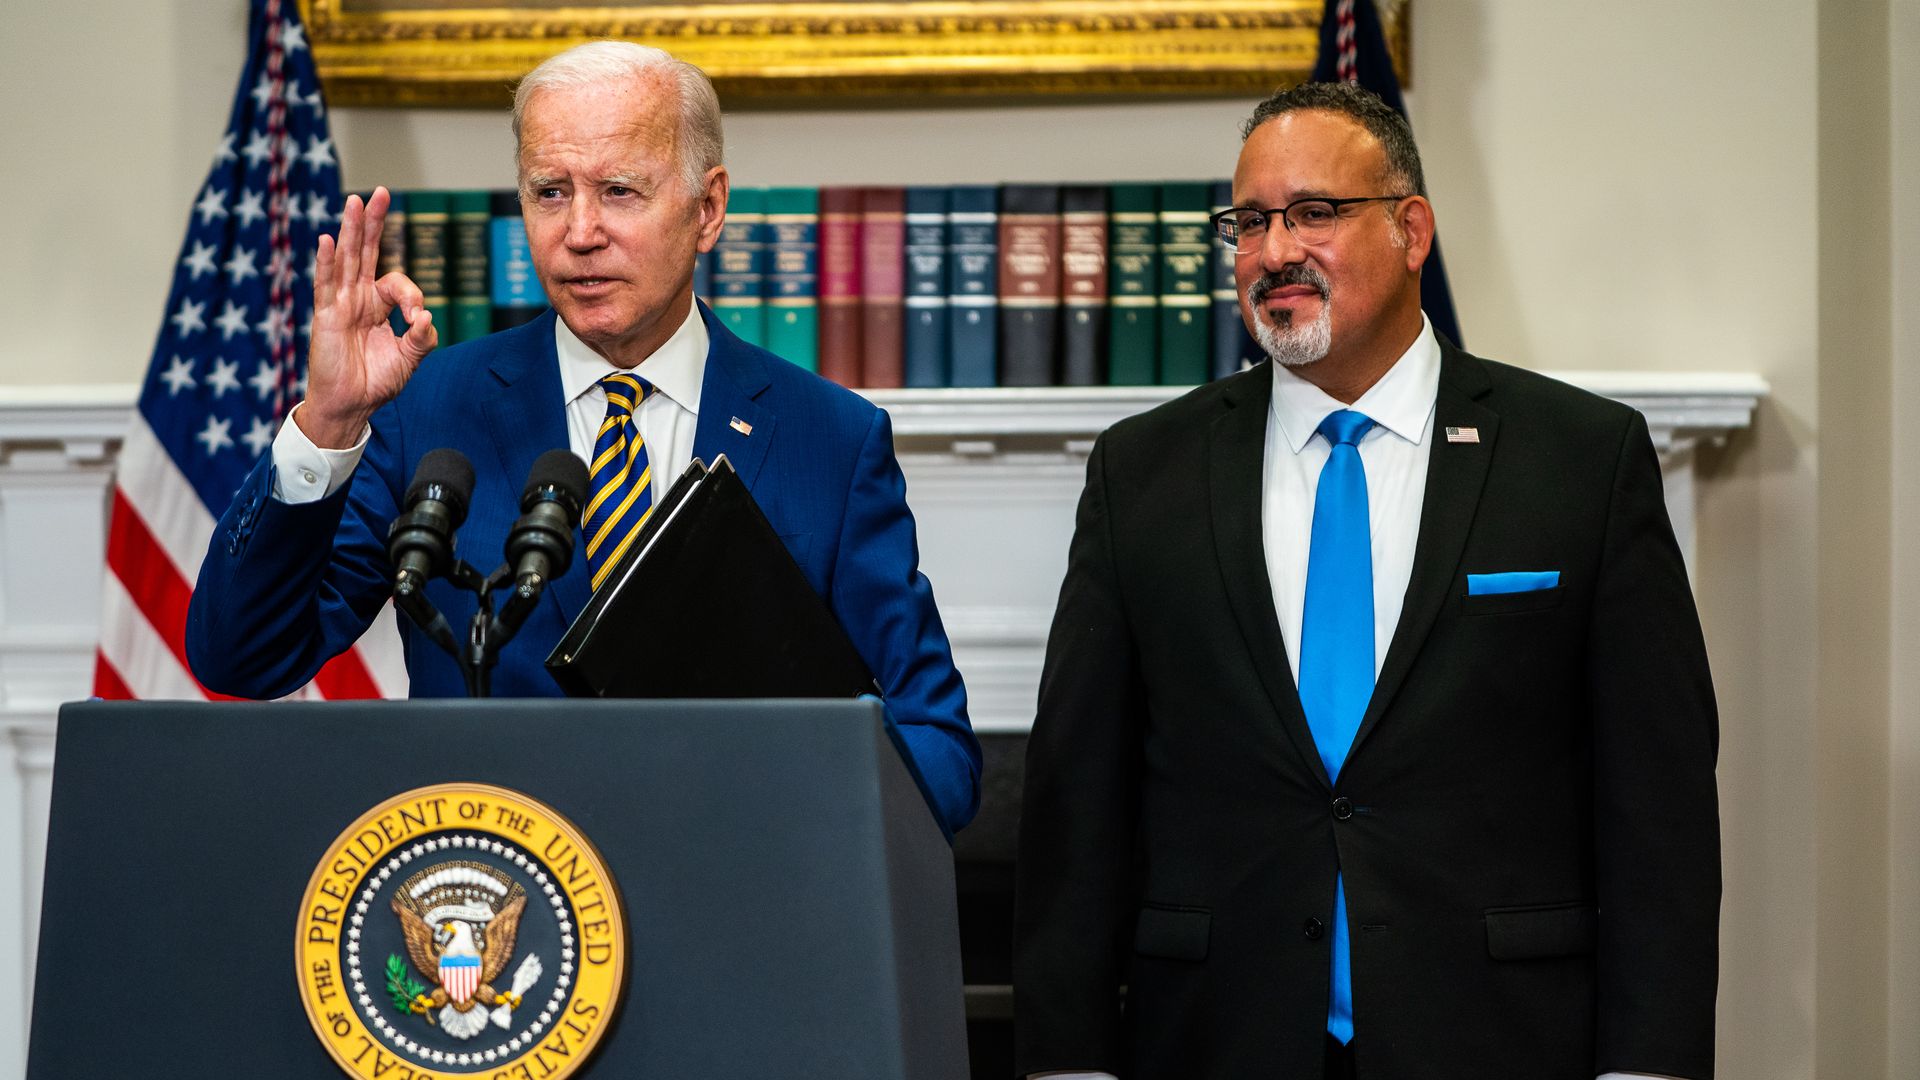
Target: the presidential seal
(461, 930)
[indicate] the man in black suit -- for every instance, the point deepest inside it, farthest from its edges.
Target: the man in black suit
(1376, 736)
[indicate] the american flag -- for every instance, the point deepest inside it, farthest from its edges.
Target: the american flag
(229, 362)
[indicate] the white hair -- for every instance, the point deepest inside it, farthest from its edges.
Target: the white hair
(1292, 344)
(701, 141)
(1297, 346)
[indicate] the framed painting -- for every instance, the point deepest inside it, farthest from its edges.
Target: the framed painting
(469, 52)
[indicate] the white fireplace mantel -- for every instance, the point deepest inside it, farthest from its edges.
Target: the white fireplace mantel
(993, 477)
(1681, 409)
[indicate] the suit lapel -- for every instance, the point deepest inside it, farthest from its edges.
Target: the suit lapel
(732, 421)
(526, 417)
(1456, 475)
(1236, 451)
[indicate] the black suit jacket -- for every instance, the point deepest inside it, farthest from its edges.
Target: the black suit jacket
(1527, 821)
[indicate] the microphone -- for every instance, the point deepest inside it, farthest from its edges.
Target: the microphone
(540, 544)
(420, 542)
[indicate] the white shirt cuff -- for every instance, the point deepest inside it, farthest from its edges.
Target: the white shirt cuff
(305, 473)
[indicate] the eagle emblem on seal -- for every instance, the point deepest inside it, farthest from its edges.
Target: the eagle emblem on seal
(460, 920)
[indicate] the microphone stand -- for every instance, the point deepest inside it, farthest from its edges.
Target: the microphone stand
(487, 633)
(539, 547)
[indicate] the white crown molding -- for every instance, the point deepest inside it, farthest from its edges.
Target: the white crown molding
(85, 424)
(1699, 404)
(1682, 408)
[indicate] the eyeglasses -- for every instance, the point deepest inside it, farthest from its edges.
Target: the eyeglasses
(1312, 221)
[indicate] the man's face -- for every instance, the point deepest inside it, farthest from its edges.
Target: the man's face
(612, 227)
(1300, 302)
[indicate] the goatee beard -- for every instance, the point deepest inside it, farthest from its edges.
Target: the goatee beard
(1292, 345)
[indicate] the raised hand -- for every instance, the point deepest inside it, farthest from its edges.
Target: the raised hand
(356, 363)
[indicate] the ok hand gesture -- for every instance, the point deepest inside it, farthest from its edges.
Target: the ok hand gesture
(356, 364)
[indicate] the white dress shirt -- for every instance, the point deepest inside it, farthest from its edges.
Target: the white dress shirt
(668, 416)
(304, 472)
(1394, 455)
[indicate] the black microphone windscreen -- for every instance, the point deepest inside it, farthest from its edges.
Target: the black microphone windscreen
(451, 472)
(561, 470)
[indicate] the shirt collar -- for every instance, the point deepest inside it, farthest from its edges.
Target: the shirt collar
(675, 369)
(1401, 402)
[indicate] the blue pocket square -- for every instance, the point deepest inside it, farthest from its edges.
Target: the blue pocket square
(1516, 581)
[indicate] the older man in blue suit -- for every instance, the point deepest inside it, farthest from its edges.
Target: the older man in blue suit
(621, 185)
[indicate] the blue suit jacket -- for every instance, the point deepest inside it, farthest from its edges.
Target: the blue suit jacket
(285, 588)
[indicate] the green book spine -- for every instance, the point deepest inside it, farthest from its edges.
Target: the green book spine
(1186, 273)
(427, 244)
(1133, 285)
(471, 220)
(739, 266)
(793, 275)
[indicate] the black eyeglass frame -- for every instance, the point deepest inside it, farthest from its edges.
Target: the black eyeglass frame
(1285, 213)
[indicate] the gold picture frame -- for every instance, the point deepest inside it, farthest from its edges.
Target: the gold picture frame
(469, 53)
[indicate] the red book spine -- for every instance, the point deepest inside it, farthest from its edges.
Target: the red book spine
(840, 284)
(883, 276)
(1029, 284)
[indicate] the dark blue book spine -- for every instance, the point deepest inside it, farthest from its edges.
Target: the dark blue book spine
(973, 283)
(703, 275)
(1233, 347)
(928, 327)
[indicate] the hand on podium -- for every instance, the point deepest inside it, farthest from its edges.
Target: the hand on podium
(356, 363)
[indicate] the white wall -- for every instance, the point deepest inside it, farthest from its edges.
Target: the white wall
(110, 112)
(1623, 186)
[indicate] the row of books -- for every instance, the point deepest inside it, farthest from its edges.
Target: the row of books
(970, 285)
(975, 285)
(467, 251)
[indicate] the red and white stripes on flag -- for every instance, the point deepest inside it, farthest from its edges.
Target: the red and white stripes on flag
(461, 976)
(227, 364)
(159, 534)
(1346, 63)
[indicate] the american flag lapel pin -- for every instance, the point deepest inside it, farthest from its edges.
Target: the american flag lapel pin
(745, 428)
(1463, 434)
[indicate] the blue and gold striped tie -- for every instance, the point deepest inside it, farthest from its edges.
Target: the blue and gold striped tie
(621, 477)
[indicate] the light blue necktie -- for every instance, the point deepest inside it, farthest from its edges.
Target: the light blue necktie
(1336, 646)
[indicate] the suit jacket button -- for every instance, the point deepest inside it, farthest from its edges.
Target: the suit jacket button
(1342, 808)
(1313, 929)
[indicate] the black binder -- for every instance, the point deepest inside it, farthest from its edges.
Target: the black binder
(708, 603)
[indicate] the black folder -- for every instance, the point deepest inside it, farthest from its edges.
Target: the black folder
(708, 603)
